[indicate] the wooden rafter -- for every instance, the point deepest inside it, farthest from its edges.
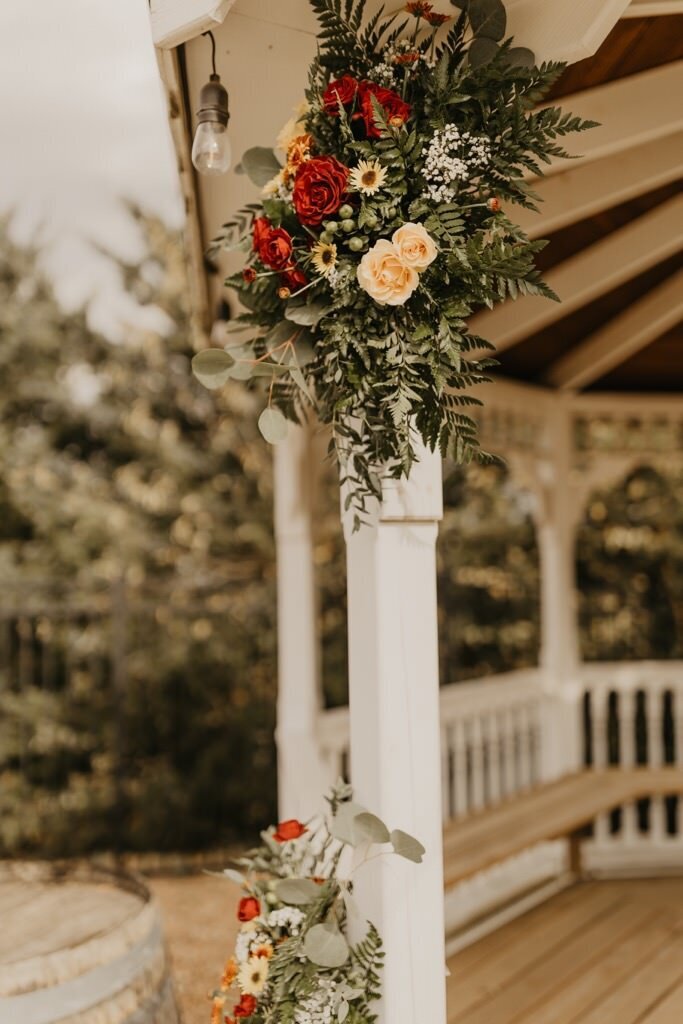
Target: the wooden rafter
(631, 111)
(584, 191)
(639, 325)
(619, 257)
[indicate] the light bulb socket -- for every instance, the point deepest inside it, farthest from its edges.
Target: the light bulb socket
(213, 103)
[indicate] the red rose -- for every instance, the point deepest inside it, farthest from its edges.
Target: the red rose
(248, 909)
(294, 279)
(319, 189)
(344, 89)
(288, 830)
(246, 1006)
(260, 231)
(274, 245)
(396, 110)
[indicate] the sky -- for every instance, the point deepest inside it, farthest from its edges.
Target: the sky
(83, 124)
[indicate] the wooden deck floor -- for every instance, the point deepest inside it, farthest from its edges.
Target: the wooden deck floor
(598, 953)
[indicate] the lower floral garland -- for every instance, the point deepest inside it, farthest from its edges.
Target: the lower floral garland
(304, 954)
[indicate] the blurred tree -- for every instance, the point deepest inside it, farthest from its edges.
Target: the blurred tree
(116, 464)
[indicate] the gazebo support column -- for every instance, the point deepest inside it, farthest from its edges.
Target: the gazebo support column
(301, 778)
(395, 734)
(559, 631)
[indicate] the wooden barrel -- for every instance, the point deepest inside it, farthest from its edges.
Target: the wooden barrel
(80, 946)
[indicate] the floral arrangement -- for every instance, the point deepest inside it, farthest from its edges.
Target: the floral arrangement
(383, 227)
(294, 960)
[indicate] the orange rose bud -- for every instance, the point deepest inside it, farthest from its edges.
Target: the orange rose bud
(248, 275)
(493, 204)
(283, 293)
(288, 830)
(249, 908)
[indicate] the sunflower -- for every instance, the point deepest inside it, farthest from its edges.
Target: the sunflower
(324, 256)
(253, 976)
(368, 177)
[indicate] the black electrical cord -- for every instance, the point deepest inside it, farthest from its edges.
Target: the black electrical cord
(213, 50)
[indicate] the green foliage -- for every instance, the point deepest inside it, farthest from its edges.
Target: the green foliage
(382, 374)
(302, 909)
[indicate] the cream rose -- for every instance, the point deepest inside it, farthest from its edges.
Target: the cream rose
(415, 246)
(383, 275)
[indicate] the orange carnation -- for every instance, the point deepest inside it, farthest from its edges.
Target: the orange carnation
(288, 830)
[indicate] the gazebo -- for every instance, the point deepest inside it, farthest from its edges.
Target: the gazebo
(586, 391)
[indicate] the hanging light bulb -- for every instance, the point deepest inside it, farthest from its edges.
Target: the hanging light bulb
(211, 150)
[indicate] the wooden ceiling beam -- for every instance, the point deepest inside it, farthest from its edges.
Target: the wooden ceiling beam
(588, 189)
(634, 329)
(595, 271)
(581, 192)
(631, 111)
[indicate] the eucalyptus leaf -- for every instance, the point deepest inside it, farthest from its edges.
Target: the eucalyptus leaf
(306, 315)
(488, 18)
(272, 425)
(304, 348)
(481, 51)
(520, 56)
(343, 1011)
(260, 165)
(342, 827)
(242, 370)
(407, 846)
(325, 946)
(297, 891)
(268, 369)
(280, 333)
(212, 367)
(300, 381)
(370, 828)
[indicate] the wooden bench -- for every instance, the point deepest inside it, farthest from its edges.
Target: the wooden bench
(557, 810)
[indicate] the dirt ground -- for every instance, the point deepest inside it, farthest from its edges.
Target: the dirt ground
(200, 923)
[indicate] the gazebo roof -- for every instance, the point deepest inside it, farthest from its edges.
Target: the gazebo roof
(613, 215)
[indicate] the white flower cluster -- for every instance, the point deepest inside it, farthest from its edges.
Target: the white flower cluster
(383, 74)
(321, 1006)
(450, 157)
(288, 918)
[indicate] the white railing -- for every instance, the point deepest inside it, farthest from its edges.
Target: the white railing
(634, 716)
(490, 740)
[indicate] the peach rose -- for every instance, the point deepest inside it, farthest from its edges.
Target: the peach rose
(415, 246)
(383, 275)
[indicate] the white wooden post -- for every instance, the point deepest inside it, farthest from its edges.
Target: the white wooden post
(395, 734)
(559, 631)
(301, 776)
